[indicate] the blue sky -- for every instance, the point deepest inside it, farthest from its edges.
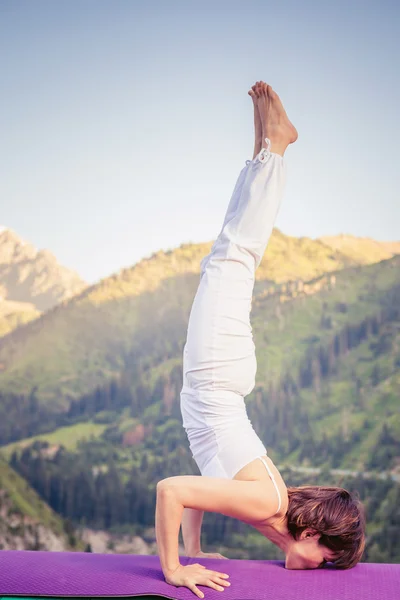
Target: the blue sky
(124, 124)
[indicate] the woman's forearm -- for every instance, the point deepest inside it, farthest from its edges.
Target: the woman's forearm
(191, 530)
(168, 521)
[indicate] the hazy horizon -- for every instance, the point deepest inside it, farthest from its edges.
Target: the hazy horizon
(126, 124)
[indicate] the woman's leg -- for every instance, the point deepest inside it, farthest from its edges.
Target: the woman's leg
(233, 204)
(219, 352)
(219, 362)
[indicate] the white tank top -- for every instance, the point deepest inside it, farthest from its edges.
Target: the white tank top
(273, 481)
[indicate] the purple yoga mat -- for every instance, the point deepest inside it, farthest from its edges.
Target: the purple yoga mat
(38, 573)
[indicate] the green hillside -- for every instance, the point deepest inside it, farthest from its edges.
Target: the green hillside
(69, 437)
(27, 521)
(350, 410)
(328, 378)
(26, 500)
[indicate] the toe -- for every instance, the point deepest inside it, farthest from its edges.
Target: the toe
(273, 95)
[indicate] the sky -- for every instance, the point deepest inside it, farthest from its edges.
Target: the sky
(124, 124)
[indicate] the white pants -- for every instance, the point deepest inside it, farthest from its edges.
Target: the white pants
(219, 361)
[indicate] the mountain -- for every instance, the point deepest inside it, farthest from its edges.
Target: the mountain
(89, 339)
(328, 365)
(31, 281)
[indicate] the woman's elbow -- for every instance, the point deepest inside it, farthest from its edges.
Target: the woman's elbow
(163, 485)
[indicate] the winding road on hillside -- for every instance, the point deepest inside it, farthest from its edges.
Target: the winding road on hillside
(346, 472)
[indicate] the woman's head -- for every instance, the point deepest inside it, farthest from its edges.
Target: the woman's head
(327, 524)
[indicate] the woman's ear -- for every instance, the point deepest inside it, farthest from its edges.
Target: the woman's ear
(309, 533)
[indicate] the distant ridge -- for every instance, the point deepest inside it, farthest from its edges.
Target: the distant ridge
(361, 249)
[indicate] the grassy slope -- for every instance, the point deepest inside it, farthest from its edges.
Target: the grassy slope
(66, 436)
(84, 341)
(25, 501)
(284, 328)
(379, 403)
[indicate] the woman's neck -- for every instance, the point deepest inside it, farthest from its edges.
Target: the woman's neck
(277, 532)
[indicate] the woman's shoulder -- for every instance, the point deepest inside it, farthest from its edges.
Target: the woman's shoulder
(274, 474)
(269, 474)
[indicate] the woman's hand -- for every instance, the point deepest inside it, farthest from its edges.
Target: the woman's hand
(191, 575)
(201, 554)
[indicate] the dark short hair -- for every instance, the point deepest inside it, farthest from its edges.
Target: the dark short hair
(333, 512)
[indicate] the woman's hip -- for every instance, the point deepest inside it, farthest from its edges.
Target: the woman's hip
(221, 437)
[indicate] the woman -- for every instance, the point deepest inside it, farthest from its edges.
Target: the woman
(312, 525)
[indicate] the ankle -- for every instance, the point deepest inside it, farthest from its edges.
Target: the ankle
(276, 145)
(278, 148)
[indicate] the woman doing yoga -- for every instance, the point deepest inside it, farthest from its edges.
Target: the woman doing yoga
(312, 525)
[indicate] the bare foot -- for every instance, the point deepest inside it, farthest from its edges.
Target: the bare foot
(254, 92)
(274, 120)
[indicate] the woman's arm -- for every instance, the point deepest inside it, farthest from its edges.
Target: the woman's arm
(191, 530)
(169, 513)
(249, 501)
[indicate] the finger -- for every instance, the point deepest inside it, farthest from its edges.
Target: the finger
(221, 581)
(215, 586)
(214, 574)
(196, 590)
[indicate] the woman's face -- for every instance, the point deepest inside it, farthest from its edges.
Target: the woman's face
(307, 553)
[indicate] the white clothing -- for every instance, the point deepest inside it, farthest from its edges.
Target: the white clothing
(219, 361)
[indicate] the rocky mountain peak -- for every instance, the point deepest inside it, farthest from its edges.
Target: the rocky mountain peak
(33, 276)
